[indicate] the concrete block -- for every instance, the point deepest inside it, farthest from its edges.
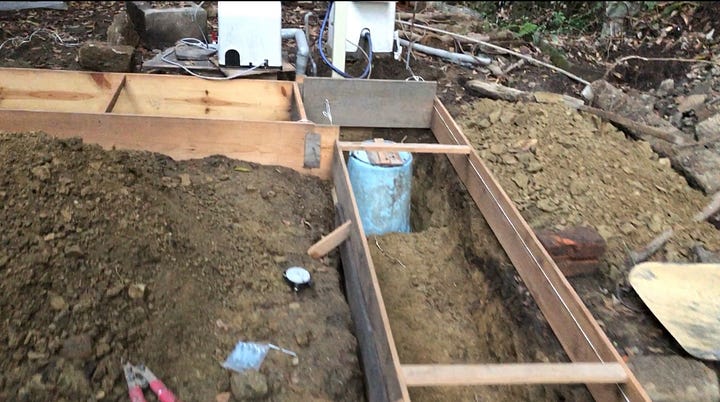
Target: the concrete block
(122, 31)
(163, 27)
(675, 379)
(101, 56)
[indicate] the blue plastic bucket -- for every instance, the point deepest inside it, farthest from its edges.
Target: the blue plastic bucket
(382, 193)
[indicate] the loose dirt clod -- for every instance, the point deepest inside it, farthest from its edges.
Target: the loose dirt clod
(107, 256)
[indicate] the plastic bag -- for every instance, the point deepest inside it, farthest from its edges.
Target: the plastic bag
(250, 356)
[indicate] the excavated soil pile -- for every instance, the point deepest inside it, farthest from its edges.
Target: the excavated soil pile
(115, 255)
(564, 168)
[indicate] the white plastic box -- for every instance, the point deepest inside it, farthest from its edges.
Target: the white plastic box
(377, 16)
(251, 32)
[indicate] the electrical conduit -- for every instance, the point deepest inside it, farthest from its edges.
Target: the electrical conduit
(457, 58)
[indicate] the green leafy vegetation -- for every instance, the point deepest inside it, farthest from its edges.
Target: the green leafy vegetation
(555, 17)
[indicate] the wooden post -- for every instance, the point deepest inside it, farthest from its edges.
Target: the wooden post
(329, 242)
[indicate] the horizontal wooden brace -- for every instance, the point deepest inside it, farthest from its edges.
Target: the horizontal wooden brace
(405, 147)
(419, 375)
(329, 242)
(279, 143)
(575, 328)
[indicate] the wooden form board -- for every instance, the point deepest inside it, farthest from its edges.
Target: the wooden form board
(148, 95)
(387, 379)
(58, 91)
(578, 333)
(179, 116)
(513, 373)
(381, 365)
(269, 143)
(369, 103)
(595, 362)
(174, 95)
(405, 147)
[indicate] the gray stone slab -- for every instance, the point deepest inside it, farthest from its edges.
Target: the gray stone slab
(370, 103)
(708, 129)
(701, 166)
(24, 5)
(101, 56)
(675, 379)
(189, 52)
(163, 27)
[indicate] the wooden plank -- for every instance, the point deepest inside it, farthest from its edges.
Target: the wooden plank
(155, 95)
(383, 375)
(115, 94)
(383, 158)
(191, 97)
(298, 105)
(269, 143)
(370, 103)
(405, 147)
(53, 90)
(329, 242)
(578, 333)
(423, 375)
(373, 370)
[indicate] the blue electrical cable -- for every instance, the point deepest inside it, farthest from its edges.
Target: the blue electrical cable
(365, 34)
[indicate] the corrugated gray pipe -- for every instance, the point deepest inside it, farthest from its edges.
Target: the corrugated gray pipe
(303, 50)
(457, 58)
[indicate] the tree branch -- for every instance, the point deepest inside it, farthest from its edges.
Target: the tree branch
(501, 49)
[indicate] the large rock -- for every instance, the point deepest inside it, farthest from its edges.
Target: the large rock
(101, 56)
(612, 99)
(248, 385)
(700, 166)
(675, 379)
(708, 129)
(163, 27)
(122, 31)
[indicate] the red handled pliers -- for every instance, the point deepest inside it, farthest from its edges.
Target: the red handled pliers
(139, 377)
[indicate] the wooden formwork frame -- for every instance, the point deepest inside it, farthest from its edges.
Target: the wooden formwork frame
(594, 361)
(113, 110)
(183, 117)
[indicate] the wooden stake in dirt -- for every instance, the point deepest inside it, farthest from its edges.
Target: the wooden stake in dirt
(329, 242)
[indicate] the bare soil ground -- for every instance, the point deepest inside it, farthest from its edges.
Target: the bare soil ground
(581, 172)
(83, 229)
(234, 232)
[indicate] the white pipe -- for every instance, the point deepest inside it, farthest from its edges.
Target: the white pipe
(303, 50)
(457, 58)
(313, 66)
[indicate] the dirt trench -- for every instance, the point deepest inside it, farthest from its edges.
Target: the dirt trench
(115, 255)
(452, 296)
